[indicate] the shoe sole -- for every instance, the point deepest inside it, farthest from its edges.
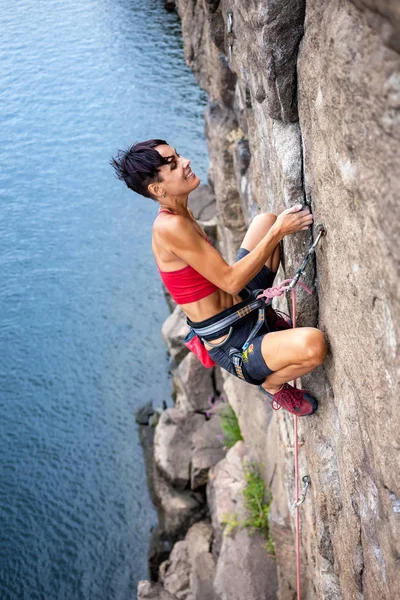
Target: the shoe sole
(310, 400)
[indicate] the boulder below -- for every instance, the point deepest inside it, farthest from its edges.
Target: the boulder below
(189, 572)
(194, 384)
(207, 451)
(147, 590)
(173, 331)
(172, 445)
(244, 568)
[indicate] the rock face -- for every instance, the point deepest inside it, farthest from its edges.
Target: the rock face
(178, 455)
(208, 565)
(244, 569)
(305, 103)
(207, 450)
(148, 590)
(194, 384)
(189, 572)
(174, 330)
(172, 445)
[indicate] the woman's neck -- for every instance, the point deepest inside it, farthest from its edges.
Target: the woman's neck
(176, 207)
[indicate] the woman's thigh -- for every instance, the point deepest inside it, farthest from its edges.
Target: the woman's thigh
(271, 352)
(297, 346)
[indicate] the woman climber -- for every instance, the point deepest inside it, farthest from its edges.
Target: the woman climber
(219, 300)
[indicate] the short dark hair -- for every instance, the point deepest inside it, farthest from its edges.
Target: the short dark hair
(139, 166)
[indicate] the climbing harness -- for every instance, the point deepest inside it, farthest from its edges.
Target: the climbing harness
(217, 329)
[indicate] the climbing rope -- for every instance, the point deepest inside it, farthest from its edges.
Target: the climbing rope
(273, 292)
(296, 465)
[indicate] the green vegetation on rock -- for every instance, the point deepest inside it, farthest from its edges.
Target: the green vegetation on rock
(229, 425)
(257, 507)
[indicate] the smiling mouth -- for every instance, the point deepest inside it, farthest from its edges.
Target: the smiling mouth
(191, 174)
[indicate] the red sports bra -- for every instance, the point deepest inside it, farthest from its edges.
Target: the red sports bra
(186, 285)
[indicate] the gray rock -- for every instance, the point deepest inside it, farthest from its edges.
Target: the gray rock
(172, 445)
(220, 123)
(178, 510)
(349, 117)
(190, 570)
(202, 203)
(160, 547)
(244, 569)
(210, 228)
(241, 159)
(225, 486)
(148, 590)
(207, 451)
(238, 574)
(173, 331)
(383, 17)
(220, 80)
(169, 299)
(143, 413)
(202, 577)
(163, 570)
(199, 538)
(177, 574)
(195, 383)
(275, 29)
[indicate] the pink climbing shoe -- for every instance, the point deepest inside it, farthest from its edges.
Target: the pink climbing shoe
(297, 402)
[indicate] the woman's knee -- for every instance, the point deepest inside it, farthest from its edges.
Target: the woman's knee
(264, 220)
(315, 346)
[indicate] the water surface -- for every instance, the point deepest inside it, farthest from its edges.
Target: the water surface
(80, 298)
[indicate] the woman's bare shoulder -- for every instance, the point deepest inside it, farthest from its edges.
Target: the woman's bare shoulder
(173, 226)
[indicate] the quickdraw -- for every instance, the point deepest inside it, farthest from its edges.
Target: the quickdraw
(300, 271)
(306, 483)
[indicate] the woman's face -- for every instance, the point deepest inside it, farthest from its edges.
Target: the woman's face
(178, 177)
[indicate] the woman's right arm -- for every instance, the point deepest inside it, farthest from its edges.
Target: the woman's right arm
(187, 244)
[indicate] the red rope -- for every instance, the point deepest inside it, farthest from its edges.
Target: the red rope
(296, 467)
(268, 294)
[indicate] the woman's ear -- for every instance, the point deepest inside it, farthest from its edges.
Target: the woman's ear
(155, 190)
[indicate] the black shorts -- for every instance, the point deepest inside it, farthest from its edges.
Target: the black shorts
(254, 367)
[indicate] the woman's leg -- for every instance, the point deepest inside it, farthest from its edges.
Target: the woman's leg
(291, 354)
(259, 227)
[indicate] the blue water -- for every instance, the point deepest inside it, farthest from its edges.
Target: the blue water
(80, 298)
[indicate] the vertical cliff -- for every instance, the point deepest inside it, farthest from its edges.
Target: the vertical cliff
(304, 102)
